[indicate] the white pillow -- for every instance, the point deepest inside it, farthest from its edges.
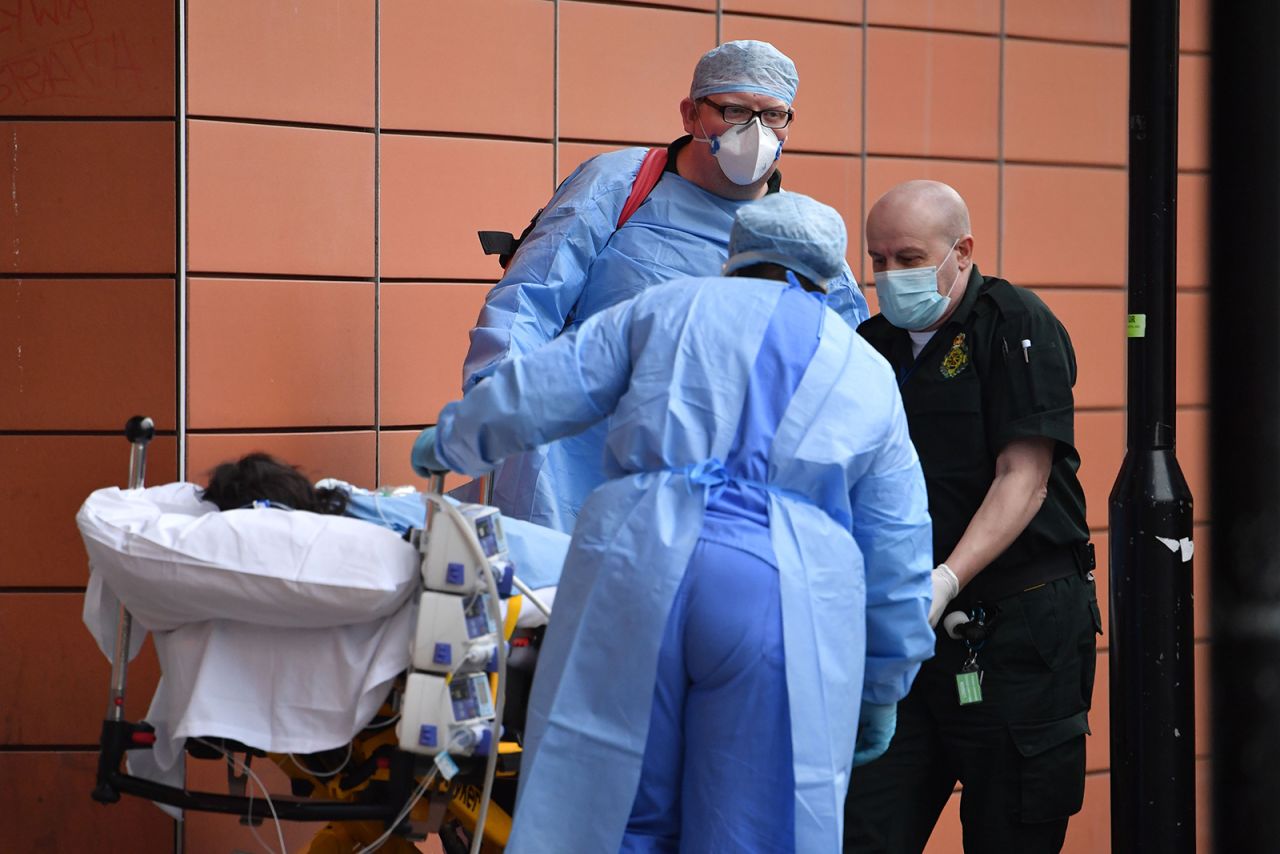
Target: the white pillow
(173, 559)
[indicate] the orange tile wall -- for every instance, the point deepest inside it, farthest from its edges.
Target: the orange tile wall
(87, 331)
(341, 155)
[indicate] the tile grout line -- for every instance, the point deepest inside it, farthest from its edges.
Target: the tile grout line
(1000, 148)
(377, 247)
(862, 154)
(555, 94)
(182, 167)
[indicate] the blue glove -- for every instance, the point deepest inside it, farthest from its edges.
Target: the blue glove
(876, 724)
(424, 458)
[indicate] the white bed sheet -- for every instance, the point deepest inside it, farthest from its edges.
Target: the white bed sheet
(313, 648)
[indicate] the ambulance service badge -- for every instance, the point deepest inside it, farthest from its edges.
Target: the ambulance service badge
(957, 358)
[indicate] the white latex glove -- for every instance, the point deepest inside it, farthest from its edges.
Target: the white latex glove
(945, 588)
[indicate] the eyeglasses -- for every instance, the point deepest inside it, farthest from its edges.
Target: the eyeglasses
(736, 114)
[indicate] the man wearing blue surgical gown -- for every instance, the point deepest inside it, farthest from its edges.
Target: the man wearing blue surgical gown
(754, 573)
(576, 262)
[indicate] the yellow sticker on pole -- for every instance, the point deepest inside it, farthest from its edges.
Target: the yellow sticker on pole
(1137, 326)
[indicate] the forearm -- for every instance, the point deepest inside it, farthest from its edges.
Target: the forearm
(517, 318)
(1011, 503)
(563, 388)
(525, 403)
(491, 344)
(894, 534)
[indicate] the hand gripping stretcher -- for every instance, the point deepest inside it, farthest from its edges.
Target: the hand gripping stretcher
(437, 758)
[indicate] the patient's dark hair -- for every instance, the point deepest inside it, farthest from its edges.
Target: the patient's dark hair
(259, 476)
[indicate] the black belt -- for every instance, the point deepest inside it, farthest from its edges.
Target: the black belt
(993, 585)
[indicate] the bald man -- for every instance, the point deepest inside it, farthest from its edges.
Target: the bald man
(985, 372)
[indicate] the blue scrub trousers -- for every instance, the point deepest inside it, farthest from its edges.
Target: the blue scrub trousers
(717, 774)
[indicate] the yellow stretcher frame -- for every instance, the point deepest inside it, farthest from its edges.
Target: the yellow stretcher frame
(462, 799)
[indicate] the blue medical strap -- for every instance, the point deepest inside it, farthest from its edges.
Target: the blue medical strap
(788, 345)
(738, 487)
(713, 475)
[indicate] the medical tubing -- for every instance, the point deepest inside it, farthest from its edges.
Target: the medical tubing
(479, 655)
(323, 774)
(408, 808)
(284, 849)
(529, 594)
(254, 831)
(499, 700)
(403, 813)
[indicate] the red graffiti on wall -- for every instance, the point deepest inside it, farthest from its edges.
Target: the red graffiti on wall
(52, 50)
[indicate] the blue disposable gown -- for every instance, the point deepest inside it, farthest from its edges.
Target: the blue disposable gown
(536, 552)
(574, 265)
(848, 527)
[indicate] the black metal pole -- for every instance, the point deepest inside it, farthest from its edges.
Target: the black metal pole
(1244, 422)
(1151, 643)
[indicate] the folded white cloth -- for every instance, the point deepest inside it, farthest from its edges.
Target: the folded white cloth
(173, 559)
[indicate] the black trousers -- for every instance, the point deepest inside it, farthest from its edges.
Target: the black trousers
(1019, 753)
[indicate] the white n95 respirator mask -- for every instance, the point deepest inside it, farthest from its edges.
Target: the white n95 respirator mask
(744, 152)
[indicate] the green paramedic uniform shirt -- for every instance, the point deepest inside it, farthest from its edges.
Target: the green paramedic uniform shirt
(1001, 368)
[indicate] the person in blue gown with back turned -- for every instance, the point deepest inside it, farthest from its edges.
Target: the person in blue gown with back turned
(752, 578)
(576, 261)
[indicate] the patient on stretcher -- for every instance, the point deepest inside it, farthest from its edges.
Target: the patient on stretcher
(278, 622)
(261, 477)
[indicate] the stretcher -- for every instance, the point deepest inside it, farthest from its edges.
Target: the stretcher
(390, 784)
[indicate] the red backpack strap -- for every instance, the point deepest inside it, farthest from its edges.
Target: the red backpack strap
(651, 169)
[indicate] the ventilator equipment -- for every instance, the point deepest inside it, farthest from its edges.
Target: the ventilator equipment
(448, 704)
(408, 736)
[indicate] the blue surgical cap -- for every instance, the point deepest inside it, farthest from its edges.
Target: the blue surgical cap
(792, 230)
(745, 66)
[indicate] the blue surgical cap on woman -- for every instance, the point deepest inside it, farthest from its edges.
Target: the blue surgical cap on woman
(791, 230)
(745, 66)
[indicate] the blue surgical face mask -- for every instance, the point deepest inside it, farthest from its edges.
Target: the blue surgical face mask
(909, 299)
